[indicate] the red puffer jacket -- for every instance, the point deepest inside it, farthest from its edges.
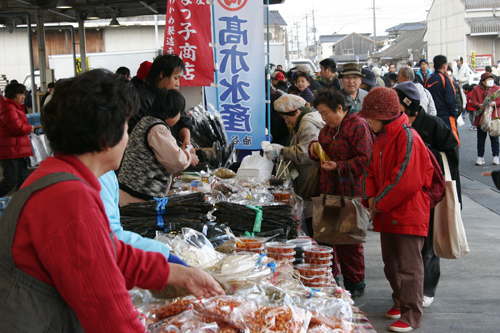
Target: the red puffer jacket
(399, 170)
(14, 130)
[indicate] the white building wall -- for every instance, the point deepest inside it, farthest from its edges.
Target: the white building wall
(447, 30)
(132, 38)
(326, 50)
(14, 54)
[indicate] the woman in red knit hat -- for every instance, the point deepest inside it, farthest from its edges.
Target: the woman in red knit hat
(394, 188)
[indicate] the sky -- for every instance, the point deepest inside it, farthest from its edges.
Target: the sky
(344, 17)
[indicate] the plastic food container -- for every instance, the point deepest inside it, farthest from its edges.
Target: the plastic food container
(314, 279)
(276, 247)
(319, 261)
(249, 243)
(318, 251)
(309, 270)
(280, 256)
(315, 284)
(256, 250)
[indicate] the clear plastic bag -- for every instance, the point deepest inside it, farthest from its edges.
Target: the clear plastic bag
(260, 165)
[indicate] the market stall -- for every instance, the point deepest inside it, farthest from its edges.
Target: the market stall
(244, 228)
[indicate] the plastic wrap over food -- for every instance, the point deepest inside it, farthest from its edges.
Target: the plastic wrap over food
(192, 321)
(193, 248)
(242, 269)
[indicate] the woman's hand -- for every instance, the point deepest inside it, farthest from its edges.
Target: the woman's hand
(373, 206)
(329, 165)
(311, 150)
(194, 159)
(198, 282)
(481, 107)
(486, 174)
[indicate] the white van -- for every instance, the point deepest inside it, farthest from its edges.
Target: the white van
(312, 68)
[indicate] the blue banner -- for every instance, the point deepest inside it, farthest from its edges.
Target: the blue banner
(239, 25)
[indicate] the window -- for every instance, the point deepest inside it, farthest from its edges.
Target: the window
(348, 51)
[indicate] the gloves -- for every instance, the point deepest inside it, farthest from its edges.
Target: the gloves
(273, 151)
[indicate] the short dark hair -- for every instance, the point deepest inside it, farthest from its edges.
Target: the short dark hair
(13, 81)
(165, 64)
(123, 71)
(167, 104)
(88, 113)
(466, 87)
(13, 89)
(439, 61)
(488, 69)
(304, 75)
(472, 86)
(328, 63)
(51, 85)
(330, 98)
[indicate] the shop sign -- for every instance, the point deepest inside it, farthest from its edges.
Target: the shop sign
(241, 70)
(188, 34)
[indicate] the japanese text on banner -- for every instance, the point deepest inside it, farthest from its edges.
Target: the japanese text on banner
(188, 34)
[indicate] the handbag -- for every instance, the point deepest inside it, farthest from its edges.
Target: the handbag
(311, 185)
(39, 149)
(338, 219)
(450, 241)
(495, 123)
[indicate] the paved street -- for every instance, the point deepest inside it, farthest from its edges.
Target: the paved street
(468, 294)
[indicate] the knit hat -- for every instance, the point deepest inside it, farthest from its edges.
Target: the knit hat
(289, 103)
(409, 95)
(421, 61)
(369, 78)
(486, 75)
(143, 70)
(278, 76)
(351, 69)
(380, 104)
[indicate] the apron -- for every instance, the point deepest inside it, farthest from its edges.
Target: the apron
(26, 303)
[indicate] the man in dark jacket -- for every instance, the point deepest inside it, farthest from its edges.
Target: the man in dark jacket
(439, 138)
(423, 73)
(328, 73)
(165, 73)
(443, 93)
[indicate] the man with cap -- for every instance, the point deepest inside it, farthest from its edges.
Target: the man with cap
(424, 72)
(394, 188)
(438, 138)
(328, 73)
(368, 81)
(351, 77)
(443, 92)
(405, 74)
(278, 82)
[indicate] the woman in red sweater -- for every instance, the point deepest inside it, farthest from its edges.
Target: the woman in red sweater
(62, 265)
(14, 142)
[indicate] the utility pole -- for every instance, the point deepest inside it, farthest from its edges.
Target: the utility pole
(315, 41)
(374, 27)
(297, 38)
(307, 38)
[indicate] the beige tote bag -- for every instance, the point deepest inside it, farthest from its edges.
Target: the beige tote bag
(450, 241)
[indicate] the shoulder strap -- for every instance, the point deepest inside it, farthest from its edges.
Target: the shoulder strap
(9, 218)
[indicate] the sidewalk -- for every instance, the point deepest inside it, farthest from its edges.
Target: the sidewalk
(468, 295)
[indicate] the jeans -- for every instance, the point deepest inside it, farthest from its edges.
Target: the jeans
(481, 139)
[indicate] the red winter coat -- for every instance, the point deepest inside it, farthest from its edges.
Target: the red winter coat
(398, 171)
(14, 130)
